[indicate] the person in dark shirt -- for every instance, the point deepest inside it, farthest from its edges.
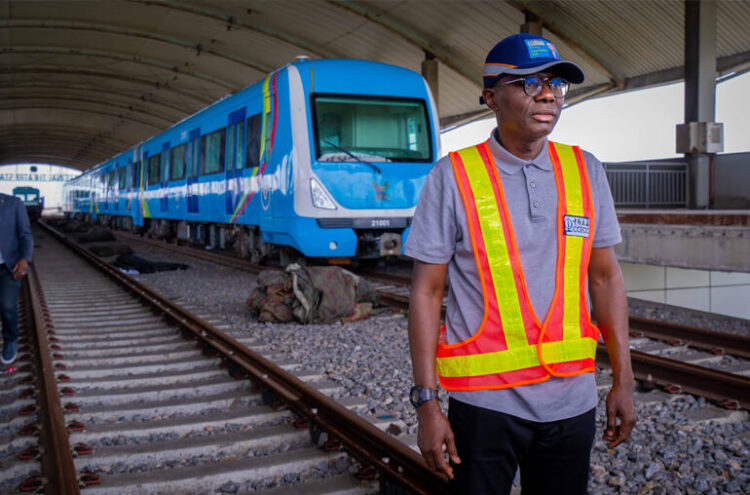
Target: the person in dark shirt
(16, 249)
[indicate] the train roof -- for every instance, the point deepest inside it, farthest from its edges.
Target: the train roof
(398, 75)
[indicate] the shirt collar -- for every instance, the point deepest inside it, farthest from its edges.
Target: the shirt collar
(509, 163)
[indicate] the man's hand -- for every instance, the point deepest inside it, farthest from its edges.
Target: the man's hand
(619, 406)
(20, 269)
(434, 432)
(610, 308)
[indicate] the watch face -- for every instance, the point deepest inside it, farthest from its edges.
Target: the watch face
(414, 396)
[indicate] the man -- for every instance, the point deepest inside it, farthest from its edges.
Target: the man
(16, 248)
(522, 226)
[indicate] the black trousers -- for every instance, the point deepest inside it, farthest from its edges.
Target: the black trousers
(553, 457)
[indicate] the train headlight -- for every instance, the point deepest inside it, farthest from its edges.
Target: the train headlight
(320, 197)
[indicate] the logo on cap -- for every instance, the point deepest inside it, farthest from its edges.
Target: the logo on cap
(539, 48)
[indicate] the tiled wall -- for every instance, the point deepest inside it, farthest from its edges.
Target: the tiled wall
(717, 292)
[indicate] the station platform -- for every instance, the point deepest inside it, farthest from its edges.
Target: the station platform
(685, 217)
(697, 259)
(702, 239)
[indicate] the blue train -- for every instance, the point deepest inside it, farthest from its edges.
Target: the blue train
(33, 200)
(322, 158)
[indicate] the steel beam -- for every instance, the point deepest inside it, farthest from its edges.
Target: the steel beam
(244, 22)
(430, 74)
(172, 69)
(50, 71)
(700, 90)
(441, 52)
(111, 29)
(534, 13)
(37, 87)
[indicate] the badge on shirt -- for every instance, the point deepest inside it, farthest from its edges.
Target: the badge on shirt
(576, 226)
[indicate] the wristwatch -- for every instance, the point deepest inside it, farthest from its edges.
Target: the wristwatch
(419, 395)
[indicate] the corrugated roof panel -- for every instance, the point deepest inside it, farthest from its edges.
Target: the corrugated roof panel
(617, 34)
(733, 19)
(636, 42)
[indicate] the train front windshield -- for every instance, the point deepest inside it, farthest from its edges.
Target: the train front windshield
(28, 196)
(352, 129)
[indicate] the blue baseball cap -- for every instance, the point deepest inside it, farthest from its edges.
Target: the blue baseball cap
(522, 54)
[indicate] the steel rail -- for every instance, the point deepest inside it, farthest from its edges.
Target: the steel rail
(388, 278)
(56, 455)
(726, 388)
(714, 341)
(392, 458)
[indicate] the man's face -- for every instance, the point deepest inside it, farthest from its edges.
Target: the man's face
(520, 115)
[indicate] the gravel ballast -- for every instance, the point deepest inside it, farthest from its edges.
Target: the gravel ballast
(668, 453)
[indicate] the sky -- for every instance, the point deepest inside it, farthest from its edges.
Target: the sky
(638, 125)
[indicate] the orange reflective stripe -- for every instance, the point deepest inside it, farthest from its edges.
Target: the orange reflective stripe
(477, 243)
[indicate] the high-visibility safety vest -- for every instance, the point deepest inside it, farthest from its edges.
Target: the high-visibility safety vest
(511, 347)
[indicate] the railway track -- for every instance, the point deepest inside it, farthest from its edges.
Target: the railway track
(678, 358)
(129, 393)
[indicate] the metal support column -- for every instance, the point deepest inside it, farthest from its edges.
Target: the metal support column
(699, 136)
(430, 74)
(533, 24)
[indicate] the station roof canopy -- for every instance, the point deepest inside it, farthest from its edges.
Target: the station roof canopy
(83, 80)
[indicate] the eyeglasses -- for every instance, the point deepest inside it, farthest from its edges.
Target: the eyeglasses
(532, 85)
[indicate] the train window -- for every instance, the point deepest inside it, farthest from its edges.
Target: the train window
(235, 140)
(111, 180)
(121, 178)
(352, 128)
(164, 167)
(192, 163)
(178, 162)
(212, 152)
(153, 169)
(253, 141)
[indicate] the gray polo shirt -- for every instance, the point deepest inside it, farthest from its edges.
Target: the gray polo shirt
(439, 234)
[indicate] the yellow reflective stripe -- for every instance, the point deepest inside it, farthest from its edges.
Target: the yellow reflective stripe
(573, 244)
(264, 117)
(571, 294)
(516, 359)
(571, 179)
(496, 247)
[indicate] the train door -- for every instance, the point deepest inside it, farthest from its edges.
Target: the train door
(235, 160)
(119, 185)
(144, 185)
(108, 191)
(163, 184)
(131, 185)
(139, 193)
(193, 163)
(111, 197)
